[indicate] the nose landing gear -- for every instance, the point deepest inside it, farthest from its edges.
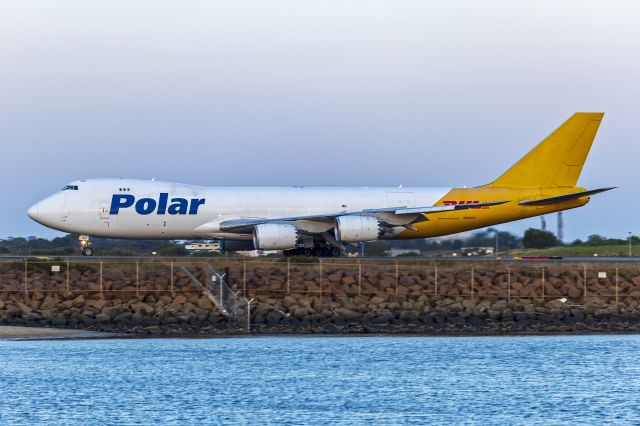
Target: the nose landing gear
(85, 245)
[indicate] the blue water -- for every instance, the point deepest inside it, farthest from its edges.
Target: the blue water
(347, 380)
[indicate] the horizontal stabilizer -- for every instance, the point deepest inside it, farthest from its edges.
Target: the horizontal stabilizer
(561, 198)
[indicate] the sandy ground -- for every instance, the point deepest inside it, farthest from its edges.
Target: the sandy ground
(11, 332)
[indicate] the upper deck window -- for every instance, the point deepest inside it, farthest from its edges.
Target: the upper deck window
(70, 188)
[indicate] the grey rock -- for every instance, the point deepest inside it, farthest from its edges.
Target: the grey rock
(103, 318)
(58, 322)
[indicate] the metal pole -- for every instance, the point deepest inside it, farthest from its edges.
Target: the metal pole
(26, 278)
(288, 276)
(509, 285)
(543, 285)
(100, 277)
(360, 278)
(629, 243)
(397, 278)
(584, 283)
(496, 243)
(137, 278)
(171, 279)
(472, 283)
(616, 285)
(435, 276)
(320, 260)
(68, 278)
(244, 278)
(249, 316)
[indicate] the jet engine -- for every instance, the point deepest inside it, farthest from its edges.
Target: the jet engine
(355, 229)
(236, 245)
(275, 236)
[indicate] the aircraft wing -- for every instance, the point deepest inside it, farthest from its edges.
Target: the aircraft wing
(245, 225)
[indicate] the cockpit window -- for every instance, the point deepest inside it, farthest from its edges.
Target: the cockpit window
(70, 188)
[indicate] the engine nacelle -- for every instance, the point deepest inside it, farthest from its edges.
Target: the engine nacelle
(275, 236)
(236, 245)
(356, 229)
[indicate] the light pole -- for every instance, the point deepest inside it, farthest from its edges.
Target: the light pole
(629, 243)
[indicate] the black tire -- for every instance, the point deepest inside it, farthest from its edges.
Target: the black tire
(307, 252)
(324, 252)
(335, 252)
(88, 251)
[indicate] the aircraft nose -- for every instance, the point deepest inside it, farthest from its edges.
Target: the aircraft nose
(33, 212)
(48, 212)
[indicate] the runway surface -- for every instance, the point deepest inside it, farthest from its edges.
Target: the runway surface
(577, 259)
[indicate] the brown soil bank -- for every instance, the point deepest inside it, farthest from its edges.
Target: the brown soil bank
(22, 333)
(160, 298)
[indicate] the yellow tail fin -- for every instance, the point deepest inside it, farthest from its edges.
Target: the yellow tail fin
(557, 160)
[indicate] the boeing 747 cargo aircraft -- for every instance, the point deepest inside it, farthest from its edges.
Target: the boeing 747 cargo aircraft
(324, 221)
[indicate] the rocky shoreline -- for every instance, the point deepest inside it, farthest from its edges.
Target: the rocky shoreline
(161, 299)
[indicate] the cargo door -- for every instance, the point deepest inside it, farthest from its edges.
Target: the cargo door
(102, 211)
(65, 209)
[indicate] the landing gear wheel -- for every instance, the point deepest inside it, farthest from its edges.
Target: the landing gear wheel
(335, 252)
(324, 252)
(307, 252)
(85, 245)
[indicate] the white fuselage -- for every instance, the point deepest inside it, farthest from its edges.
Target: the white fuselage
(127, 208)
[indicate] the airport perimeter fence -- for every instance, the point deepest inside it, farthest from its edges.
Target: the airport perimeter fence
(325, 279)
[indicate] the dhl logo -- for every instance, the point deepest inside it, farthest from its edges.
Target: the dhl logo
(458, 203)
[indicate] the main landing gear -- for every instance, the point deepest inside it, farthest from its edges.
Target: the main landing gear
(85, 245)
(317, 251)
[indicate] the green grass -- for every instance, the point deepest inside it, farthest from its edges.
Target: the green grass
(612, 250)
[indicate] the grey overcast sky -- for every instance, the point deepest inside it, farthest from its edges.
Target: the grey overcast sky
(316, 93)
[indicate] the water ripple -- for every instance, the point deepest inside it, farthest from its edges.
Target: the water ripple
(322, 380)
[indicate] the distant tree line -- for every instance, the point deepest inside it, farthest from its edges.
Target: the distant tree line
(68, 244)
(536, 238)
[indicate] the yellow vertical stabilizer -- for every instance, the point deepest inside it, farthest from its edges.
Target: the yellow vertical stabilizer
(556, 161)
